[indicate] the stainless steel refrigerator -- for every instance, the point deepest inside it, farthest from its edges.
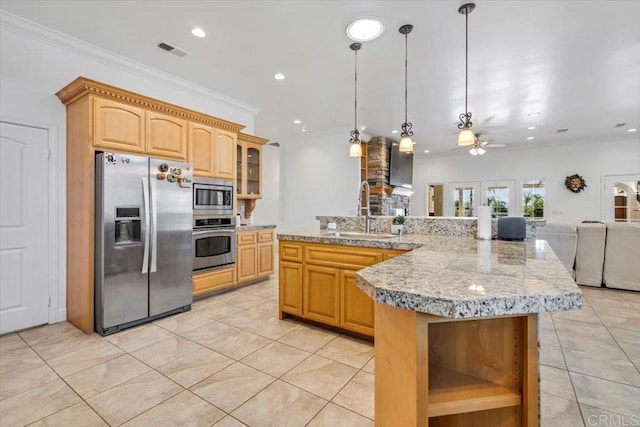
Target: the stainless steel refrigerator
(143, 242)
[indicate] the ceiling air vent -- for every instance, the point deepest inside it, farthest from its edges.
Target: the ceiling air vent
(172, 49)
(619, 125)
(562, 130)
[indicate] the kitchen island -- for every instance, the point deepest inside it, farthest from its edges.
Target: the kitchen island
(456, 325)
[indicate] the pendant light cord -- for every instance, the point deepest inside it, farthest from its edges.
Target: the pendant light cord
(406, 54)
(466, 61)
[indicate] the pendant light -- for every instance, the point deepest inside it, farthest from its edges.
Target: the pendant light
(355, 149)
(406, 143)
(466, 136)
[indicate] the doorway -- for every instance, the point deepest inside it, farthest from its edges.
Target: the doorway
(24, 227)
(435, 200)
(621, 198)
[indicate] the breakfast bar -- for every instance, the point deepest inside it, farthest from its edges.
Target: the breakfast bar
(454, 319)
(456, 330)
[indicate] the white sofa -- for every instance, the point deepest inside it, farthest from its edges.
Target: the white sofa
(622, 256)
(563, 240)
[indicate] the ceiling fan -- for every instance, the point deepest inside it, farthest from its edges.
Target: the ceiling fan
(479, 147)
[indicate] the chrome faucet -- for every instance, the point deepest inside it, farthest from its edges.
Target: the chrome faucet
(367, 218)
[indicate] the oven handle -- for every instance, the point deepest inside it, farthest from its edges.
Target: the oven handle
(198, 233)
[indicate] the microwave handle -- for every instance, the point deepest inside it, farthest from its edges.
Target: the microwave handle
(145, 197)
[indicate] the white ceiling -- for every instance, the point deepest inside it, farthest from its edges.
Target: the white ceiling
(575, 62)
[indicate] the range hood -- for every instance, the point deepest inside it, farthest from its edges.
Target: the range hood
(401, 191)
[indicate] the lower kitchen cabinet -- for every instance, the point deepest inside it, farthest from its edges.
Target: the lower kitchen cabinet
(254, 255)
(356, 310)
(216, 280)
(321, 294)
(318, 282)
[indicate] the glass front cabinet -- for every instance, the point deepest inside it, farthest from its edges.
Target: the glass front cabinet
(249, 170)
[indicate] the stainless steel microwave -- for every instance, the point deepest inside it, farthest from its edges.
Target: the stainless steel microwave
(212, 196)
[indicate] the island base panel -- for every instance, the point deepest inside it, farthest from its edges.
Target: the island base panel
(434, 371)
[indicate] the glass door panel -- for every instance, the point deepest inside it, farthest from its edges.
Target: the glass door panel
(463, 199)
(253, 171)
(499, 195)
(239, 157)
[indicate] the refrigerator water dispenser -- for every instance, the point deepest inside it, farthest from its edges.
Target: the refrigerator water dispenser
(127, 225)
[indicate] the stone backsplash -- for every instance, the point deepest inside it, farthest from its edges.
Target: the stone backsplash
(439, 226)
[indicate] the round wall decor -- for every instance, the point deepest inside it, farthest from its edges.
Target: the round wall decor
(575, 183)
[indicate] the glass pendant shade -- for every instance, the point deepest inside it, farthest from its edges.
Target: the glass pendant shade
(355, 150)
(406, 145)
(466, 137)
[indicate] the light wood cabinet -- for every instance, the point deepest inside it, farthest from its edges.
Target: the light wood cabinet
(201, 149)
(224, 156)
(166, 136)
(101, 117)
(118, 126)
(290, 288)
(214, 281)
(255, 255)
(356, 308)
(321, 294)
(249, 164)
(324, 277)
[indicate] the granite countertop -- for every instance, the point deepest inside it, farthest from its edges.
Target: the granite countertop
(462, 277)
(254, 227)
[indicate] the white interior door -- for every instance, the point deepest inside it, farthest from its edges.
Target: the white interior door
(24, 227)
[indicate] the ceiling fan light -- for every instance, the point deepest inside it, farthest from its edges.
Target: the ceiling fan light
(481, 151)
(355, 150)
(466, 137)
(473, 151)
(406, 145)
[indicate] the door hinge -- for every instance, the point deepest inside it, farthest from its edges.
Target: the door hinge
(49, 305)
(48, 153)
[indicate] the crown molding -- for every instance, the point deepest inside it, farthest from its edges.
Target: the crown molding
(35, 31)
(251, 138)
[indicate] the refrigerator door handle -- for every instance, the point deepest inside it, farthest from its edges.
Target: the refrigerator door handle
(154, 226)
(145, 196)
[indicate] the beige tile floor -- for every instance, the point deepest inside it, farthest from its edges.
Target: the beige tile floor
(231, 362)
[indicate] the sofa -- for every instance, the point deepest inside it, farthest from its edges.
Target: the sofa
(597, 254)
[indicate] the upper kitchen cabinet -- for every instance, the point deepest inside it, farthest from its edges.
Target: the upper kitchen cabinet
(118, 126)
(224, 155)
(212, 151)
(166, 136)
(249, 169)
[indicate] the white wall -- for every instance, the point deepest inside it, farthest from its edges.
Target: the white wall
(37, 62)
(317, 178)
(267, 209)
(549, 163)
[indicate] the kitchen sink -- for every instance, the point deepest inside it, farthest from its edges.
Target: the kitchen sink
(354, 235)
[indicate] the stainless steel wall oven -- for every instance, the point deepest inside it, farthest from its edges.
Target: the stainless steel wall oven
(214, 242)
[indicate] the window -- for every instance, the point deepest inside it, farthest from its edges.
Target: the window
(533, 198)
(499, 196)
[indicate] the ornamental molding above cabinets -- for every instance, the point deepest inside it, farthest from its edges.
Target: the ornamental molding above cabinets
(83, 86)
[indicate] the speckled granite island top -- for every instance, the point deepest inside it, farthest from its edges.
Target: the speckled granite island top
(462, 277)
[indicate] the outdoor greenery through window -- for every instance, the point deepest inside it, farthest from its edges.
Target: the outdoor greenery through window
(533, 198)
(498, 200)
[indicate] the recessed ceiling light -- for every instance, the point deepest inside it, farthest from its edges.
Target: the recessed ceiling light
(304, 129)
(297, 122)
(279, 76)
(365, 28)
(632, 130)
(535, 114)
(394, 131)
(426, 151)
(531, 127)
(199, 32)
(530, 138)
